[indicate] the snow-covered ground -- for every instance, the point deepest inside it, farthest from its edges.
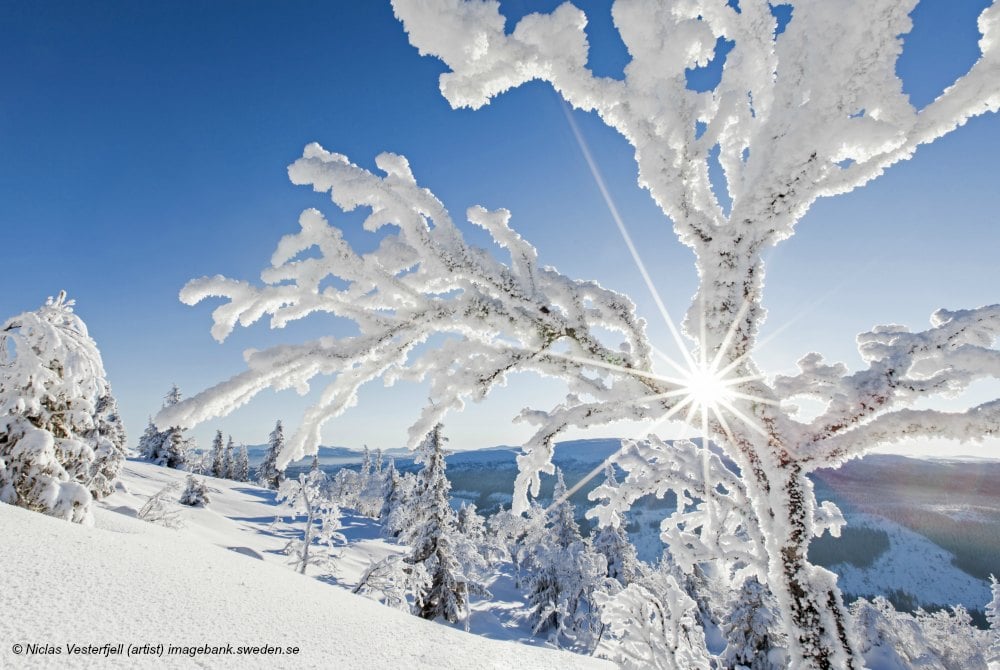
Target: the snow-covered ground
(912, 564)
(220, 580)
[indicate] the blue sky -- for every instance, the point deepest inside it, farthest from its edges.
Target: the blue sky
(144, 144)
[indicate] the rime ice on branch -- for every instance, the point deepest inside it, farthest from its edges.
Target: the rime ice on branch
(813, 110)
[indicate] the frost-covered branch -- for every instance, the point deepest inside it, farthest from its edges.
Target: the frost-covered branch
(870, 407)
(422, 280)
(813, 110)
(711, 522)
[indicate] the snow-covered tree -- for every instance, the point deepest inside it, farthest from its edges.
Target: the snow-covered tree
(993, 616)
(241, 465)
(149, 441)
(399, 510)
(366, 462)
(169, 447)
(752, 631)
(435, 542)
(195, 493)
(307, 497)
(228, 459)
(346, 488)
(561, 574)
(390, 491)
(371, 485)
(218, 468)
(812, 109)
(268, 475)
(611, 541)
(470, 523)
(108, 434)
(61, 440)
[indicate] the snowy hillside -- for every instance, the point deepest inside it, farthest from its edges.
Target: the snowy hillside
(914, 566)
(219, 580)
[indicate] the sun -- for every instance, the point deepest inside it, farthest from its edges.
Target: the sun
(708, 389)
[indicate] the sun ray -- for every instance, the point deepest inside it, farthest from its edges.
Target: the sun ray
(607, 461)
(617, 368)
(677, 366)
(752, 423)
(720, 417)
(595, 172)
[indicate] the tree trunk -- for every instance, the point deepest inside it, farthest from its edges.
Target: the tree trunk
(815, 618)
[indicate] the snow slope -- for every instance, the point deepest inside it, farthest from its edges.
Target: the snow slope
(132, 582)
(912, 564)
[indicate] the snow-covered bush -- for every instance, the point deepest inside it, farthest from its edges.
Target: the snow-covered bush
(804, 110)
(942, 640)
(159, 508)
(61, 440)
(653, 623)
(307, 497)
(195, 493)
(953, 638)
(395, 582)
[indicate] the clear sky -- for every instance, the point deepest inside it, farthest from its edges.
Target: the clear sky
(143, 144)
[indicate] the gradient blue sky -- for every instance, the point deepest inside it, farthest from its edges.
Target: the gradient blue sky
(145, 143)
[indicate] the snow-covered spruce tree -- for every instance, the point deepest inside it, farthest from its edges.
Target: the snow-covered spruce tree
(228, 459)
(108, 434)
(169, 447)
(371, 486)
(561, 574)
(241, 464)
(218, 468)
(61, 441)
(195, 493)
(812, 110)
(470, 523)
(612, 542)
(399, 510)
(149, 441)
(307, 497)
(753, 640)
(390, 491)
(433, 538)
(268, 475)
